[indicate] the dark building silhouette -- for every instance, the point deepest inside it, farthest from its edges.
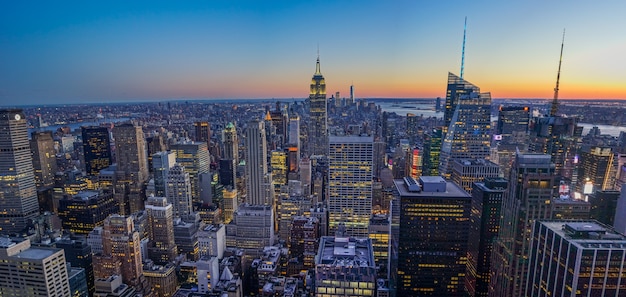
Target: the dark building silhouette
(86, 210)
(96, 149)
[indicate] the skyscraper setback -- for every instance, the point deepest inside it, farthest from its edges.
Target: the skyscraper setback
(18, 201)
(318, 129)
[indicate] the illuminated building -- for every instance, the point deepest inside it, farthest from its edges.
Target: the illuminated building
(344, 266)
(575, 258)
(132, 167)
(78, 253)
(350, 183)
(231, 143)
(411, 127)
(278, 164)
(85, 210)
(120, 243)
(558, 137)
(293, 159)
(162, 162)
(78, 281)
(465, 172)
(32, 271)
(231, 202)
(303, 240)
(252, 229)
(186, 236)
(161, 278)
(379, 235)
(212, 241)
(203, 131)
(290, 206)
(531, 191)
(294, 132)
(487, 199)
(318, 126)
(96, 149)
(194, 156)
(162, 248)
(432, 239)
(44, 158)
(468, 133)
(414, 161)
(18, 198)
(178, 190)
(256, 165)
(595, 166)
(513, 123)
(432, 150)
(154, 144)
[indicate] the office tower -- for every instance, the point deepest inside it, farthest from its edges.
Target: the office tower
(162, 248)
(113, 285)
(603, 206)
(432, 150)
(469, 123)
(411, 127)
(465, 172)
(77, 280)
(513, 123)
(194, 156)
(379, 235)
(212, 241)
(279, 120)
(438, 104)
(413, 162)
(278, 163)
(293, 160)
(132, 167)
(531, 189)
(228, 173)
(252, 229)
(595, 166)
(161, 278)
(78, 253)
(256, 164)
(558, 137)
(186, 236)
(96, 149)
(619, 222)
(121, 244)
(294, 130)
(231, 143)
(487, 199)
(303, 240)
(18, 202)
(432, 239)
(154, 144)
(161, 164)
(178, 190)
(44, 158)
(290, 206)
(318, 126)
(344, 266)
(32, 271)
(350, 177)
(203, 131)
(94, 240)
(82, 212)
(230, 203)
(351, 95)
(581, 258)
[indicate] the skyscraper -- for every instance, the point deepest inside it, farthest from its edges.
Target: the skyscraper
(162, 248)
(351, 165)
(162, 162)
(318, 129)
(575, 258)
(469, 123)
(531, 189)
(595, 166)
(231, 143)
(487, 199)
(203, 131)
(121, 244)
(132, 167)
(465, 172)
(194, 156)
(256, 164)
(513, 123)
(96, 149)
(18, 201)
(432, 239)
(86, 210)
(44, 158)
(178, 191)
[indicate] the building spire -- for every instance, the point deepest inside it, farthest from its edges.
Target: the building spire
(555, 101)
(463, 50)
(317, 65)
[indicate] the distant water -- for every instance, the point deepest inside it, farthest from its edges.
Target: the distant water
(428, 110)
(75, 126)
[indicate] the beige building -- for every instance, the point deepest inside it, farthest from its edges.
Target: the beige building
(32, 271)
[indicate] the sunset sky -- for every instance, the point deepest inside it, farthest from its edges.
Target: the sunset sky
(88, 51)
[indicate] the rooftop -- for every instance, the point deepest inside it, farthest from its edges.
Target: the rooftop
(345, 251)
(587, 234)
(452, 189)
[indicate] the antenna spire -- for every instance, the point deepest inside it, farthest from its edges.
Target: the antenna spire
(317, 64)
(463, 51)
(555, 101)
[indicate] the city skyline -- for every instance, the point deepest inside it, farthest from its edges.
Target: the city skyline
(87, 53)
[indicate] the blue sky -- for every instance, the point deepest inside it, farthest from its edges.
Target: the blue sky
(115, 51)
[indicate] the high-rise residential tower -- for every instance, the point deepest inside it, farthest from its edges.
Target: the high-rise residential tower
(469, 123)
(18, 198)
(44, 158)
(178, 191)
(162, 248)
(318, 126)
(350, 174)
(256, 165)
(96, 149)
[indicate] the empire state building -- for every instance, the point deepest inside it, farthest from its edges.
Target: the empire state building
(318, 130)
